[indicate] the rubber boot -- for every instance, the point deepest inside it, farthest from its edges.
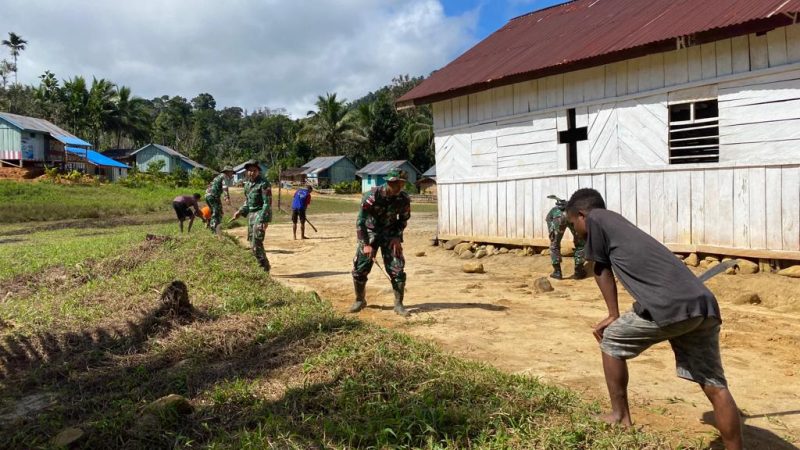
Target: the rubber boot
(361, 296)
(557, 272)
(580, 272)
(398, 300)
(264, 263)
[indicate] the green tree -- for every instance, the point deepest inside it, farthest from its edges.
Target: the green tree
(76, 105)
(16, 44)
(6, 68)
(129, 116)
(331, 127)
(49, 96)
(100, 109)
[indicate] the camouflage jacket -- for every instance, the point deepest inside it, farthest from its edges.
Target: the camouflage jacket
(382, 217)
(217, 187)
(258, 199)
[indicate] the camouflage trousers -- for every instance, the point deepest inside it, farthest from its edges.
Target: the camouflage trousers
(394, 265)
(255, 236)
(556, 227)
(216, 211)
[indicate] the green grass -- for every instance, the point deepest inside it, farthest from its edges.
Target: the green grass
(262, 365)
(43, 201)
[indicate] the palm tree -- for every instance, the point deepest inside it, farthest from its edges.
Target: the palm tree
(100, 108)
(129, 116)
(76, 104)
(16, 44)
(331, 126)
(5, 70)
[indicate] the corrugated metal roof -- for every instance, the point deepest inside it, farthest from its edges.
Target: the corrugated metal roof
(585, 33)
(71, 140)
(33, 124)
(382, 167)
(430, 173)
(95, 158)
(323, 162)
(172, 152)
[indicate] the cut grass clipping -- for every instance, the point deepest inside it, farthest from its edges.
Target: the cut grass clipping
(260, 365)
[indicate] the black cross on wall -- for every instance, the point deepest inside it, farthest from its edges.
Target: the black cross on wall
(571, 137)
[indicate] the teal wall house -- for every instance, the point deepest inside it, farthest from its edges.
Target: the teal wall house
(374, 173)
(173, 160)
(239, 172)
(28, 140)
(329, 170)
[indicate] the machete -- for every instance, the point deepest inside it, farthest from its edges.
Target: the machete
(718, 269)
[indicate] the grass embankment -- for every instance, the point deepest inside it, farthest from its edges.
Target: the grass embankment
(25, 202)
(86, 344)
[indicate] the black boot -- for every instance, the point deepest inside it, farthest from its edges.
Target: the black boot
(361, 293)
(264, 263)
(580, 272)
(398, 300)
(557, 272)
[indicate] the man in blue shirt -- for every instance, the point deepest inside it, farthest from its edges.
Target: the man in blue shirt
(301, 200)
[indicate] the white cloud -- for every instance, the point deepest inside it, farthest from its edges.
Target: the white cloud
(248, 53)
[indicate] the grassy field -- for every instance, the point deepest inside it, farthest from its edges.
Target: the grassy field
(26, 202)
(85, 342)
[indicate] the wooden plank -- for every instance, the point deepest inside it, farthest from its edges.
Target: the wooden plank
(555, 91)
(584, 181)
(460, 228)
(708, 60)
(698, 207)
(473, 108)
(759, 53)
(684, 201)
(448, 113)
(485, 105)
(573, 88)
(594, 84)
(757, 207)
(529, 217)
(793, 43)
(480, 216)
(741, 208)
(438, 115)
(573, 184)
(713, 223)
(656, 69)
(790, 207)
(633, 76)
(645, 78)
(643, 201)
(610, 79)
(622, 77)
(443, 225)
(676, 67)
(628, 196)
(776, 47)
(454, 209)
(788, 110)
(522, 93)
(725, 198)
(740, 54)
(511, 209)
(724, 57)
(502, 209)
(492, 208)
(774, 190)
(599, 184)
(612, 197)
(504, 101)
(519, 229)
(695, 59)
(538, 200)
(657, 205)
(671, 207)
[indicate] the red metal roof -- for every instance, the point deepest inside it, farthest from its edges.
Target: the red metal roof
(585, 33)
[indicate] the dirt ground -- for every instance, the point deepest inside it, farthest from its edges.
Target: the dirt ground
(497, 319)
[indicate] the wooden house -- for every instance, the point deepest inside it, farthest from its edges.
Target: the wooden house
(373, 174)
(427, 181)
(172, 159)
(684, 115)
(329, 170)
(239, 172)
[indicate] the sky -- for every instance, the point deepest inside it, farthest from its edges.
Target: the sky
(250, 53)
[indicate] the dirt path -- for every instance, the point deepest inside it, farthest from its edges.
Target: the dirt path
(495, 318)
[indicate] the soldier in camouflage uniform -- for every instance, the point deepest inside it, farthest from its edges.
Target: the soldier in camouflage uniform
(258, 209)
(214, 193)
(557, 223)
(383, 216)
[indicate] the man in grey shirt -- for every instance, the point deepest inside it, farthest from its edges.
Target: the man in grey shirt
(671, 304)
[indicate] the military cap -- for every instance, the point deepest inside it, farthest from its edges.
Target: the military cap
(396, 175)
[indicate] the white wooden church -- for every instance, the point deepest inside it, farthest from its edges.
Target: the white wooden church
(684, 114)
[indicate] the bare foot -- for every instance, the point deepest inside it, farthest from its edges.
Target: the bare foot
(614, 419)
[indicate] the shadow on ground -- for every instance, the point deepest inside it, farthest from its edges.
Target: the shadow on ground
(755, 437)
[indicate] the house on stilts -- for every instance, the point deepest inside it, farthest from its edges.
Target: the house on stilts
(684, 115)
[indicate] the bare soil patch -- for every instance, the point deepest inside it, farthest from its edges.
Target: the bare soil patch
(497, 318)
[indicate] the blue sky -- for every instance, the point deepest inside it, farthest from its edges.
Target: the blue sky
(493, 14)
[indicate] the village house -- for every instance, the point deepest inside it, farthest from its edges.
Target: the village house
(373, 174)
(239, 172)
(321, 171)
(427, 181)
(172, 159)
(684, 115)
(33, 143)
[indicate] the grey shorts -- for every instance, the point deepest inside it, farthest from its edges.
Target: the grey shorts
(695, 343)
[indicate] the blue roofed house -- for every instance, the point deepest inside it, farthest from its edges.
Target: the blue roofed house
(374, 173)
(238, 172)
(329, 170)
(172, 159)
(35, 143)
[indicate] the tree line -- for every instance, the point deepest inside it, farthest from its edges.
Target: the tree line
(109, 115)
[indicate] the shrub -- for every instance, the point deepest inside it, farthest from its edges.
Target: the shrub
(347, 187)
